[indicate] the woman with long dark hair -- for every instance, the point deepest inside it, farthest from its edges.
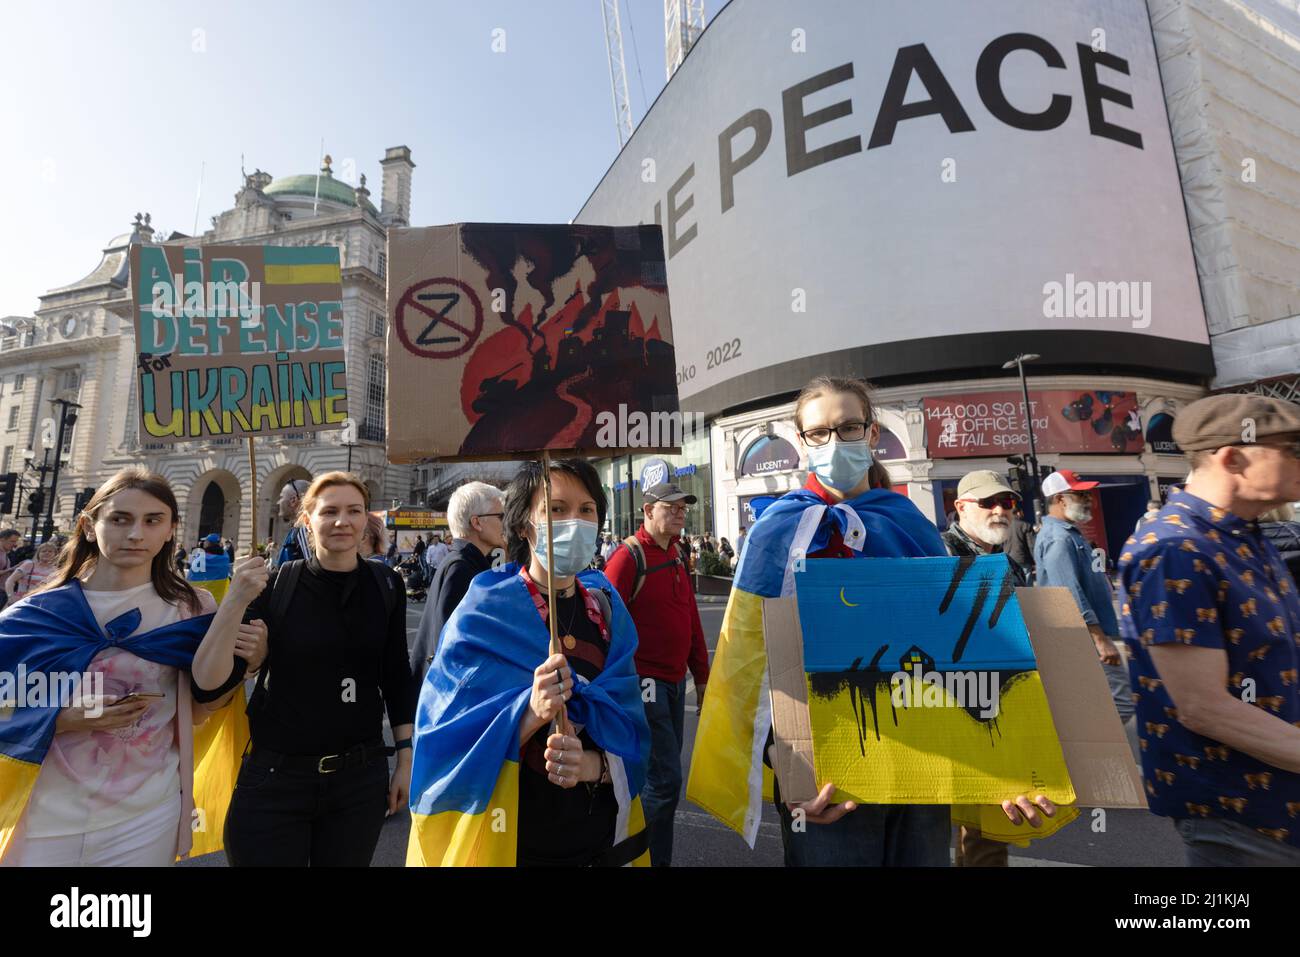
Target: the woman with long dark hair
(108, 777)
(498, 779)
(315, 787)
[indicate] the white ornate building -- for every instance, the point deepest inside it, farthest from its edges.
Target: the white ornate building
(80, 346)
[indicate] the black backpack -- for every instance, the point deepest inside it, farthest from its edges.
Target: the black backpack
(638, 556)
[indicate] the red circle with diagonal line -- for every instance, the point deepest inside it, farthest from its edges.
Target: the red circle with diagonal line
(430, 318)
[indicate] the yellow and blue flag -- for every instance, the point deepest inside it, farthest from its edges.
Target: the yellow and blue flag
(465, 767)
(728, 777)
(54, 634)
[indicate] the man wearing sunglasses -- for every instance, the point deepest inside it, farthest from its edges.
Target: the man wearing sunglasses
(1212, 624)
(985, 506)
(985, 510)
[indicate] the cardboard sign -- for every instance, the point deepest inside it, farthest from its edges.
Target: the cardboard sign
(882, 676)
(993, 423)
(507, 340)
(238, 340)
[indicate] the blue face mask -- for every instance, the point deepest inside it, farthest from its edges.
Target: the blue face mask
(575, 545)
(840, 465)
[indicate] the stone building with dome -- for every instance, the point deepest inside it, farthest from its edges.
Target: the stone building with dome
(80, 346)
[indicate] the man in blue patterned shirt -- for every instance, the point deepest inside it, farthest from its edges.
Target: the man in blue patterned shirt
(1212, 622)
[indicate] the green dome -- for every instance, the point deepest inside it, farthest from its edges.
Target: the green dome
(305, 185)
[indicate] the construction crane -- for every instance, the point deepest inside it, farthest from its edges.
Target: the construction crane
(683, 24)
(617, 71)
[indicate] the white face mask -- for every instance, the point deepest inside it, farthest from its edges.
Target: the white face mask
(1077, 512)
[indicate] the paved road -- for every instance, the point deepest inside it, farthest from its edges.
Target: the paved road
(1130, 838)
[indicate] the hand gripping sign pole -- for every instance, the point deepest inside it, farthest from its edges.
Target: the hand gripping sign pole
(561, 719)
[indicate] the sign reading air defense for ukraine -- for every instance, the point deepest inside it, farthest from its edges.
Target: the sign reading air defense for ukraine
(238, 340)
(921, 683)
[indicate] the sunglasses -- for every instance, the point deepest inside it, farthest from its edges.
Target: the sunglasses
(1008, 502)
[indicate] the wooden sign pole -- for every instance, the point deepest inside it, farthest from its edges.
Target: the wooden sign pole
(252, 484)
(562, 719)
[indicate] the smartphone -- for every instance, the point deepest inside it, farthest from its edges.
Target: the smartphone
(133, 696)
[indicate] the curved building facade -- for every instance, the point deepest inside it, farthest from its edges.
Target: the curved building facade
(916, 194)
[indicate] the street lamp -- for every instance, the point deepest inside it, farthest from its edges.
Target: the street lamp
(1018, 363)
(66, 417)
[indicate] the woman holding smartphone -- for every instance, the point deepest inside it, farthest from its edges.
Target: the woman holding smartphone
(315, 788)
(109, 779)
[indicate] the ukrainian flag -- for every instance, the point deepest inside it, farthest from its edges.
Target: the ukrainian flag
(55, 632)
(465, 769)
(300, 265)
(727, 776)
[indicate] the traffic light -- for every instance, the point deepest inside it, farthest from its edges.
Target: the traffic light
(36, 502)
(8, 485)
(82, 500)
(1016, 476)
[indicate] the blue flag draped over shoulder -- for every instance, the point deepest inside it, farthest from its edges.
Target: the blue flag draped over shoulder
(52, 634)
(465, 767)
(727, 771)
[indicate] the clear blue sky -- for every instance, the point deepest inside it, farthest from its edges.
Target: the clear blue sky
(108, 109)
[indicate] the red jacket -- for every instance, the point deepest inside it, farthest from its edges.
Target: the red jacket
(668, 630)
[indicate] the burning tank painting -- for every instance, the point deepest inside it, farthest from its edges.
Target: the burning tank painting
(510, 339)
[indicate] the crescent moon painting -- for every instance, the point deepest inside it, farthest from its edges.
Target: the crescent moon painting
(851, 604)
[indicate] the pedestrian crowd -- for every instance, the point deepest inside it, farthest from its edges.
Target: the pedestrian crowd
(580, 745)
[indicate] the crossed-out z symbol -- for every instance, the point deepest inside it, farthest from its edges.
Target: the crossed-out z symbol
(450, 298)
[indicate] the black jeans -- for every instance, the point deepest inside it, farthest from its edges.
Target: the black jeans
(290, 818)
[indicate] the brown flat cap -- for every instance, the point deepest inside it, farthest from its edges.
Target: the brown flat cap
(1220, 420)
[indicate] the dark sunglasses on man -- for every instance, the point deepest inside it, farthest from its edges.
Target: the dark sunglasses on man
(1008, 502)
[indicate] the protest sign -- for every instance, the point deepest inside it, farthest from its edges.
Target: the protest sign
(506, 340)
(936, 681)
(237, 340)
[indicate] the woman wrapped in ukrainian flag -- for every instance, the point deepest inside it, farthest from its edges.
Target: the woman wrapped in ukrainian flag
(846, 510)
(493, 783)
(117, 774)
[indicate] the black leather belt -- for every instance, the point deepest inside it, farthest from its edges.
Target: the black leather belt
(356, 757)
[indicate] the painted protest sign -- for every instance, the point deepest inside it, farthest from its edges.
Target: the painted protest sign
(238, 340)
(506, 340)
(936, 681)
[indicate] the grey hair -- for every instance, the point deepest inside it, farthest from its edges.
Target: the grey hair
(472, 498)
(296, 487)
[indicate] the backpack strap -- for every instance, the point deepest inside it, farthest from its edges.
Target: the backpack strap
(603, 602)
(286, 581)
(638, 553)
(386, 587)
(638, 556)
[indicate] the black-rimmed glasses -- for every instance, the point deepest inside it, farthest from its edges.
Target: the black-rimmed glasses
(845, 431)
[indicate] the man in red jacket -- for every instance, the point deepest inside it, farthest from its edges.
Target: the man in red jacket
(649, 571)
